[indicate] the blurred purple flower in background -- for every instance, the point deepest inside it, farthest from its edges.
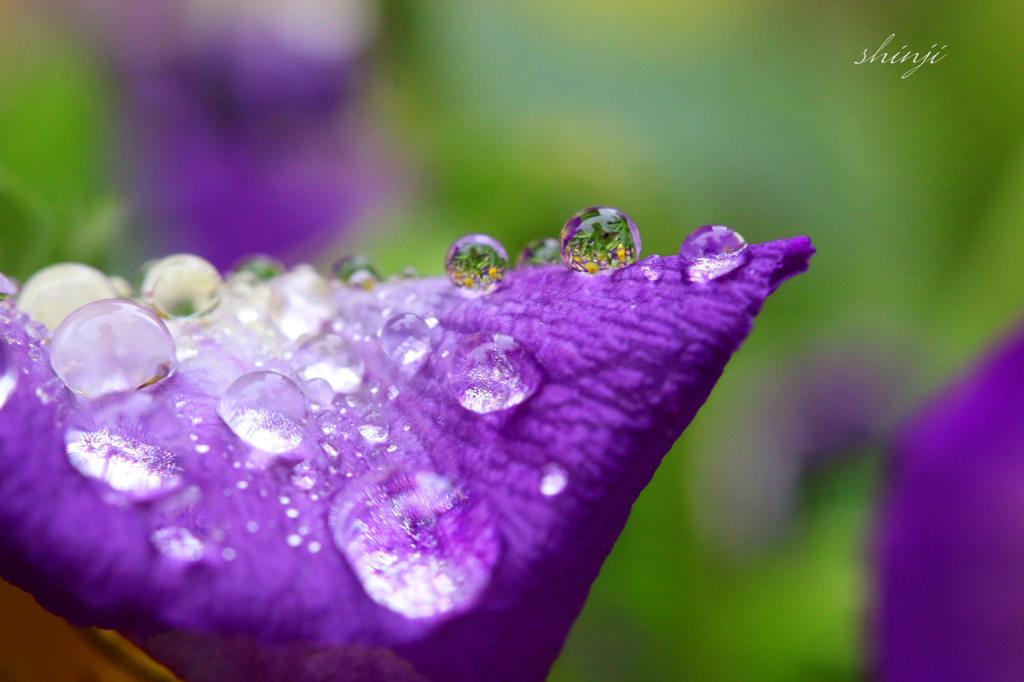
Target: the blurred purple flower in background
(380, 501)
(243, 129)
(951, 534)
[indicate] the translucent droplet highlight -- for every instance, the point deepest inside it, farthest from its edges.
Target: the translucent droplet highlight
(539, 252)
(111, 345)
(599, 238)
(177, 543)
(554, 480)
(493, 372)
(405, 338)
(420, 544)
(374, 427)
(266, 410)
(54, 292)
(712, 251)
(8, 374)
(259, 267)
(126, 440)
(357, 271)
(331, 358)
(476, 262)
(182, 285)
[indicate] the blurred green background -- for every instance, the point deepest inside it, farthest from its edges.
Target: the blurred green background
(748, 557)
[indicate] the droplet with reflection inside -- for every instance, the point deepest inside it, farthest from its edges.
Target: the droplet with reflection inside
(712, 251)
(599, 238)
(111, 345)
(405, 338)
(331, 358)
(357, 271)
(182, 285)
(54, 292)
(266, 410)
(259, 267)
(491, 372)
(542, 251)
(127, 441)
(476, 262)
(420, 544)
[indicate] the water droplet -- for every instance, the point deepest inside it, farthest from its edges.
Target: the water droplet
(177, 543)
(405, 338)
(292, 513)
(319, 392)
(374, 427)
(56, 291)
(712, 251)
(266, 410)
(8, 375)
(300, 302)
(259, 267)
(111, 345)
(126, 440)
(252, 526)
(409, 272)
(304, 476)
(542, 251)
(182, 285)
(333, 359)
(294, 540)
(202, 449)
(393, 393)
(8, 287)
(121, 287)
(242, 485)
(357, 271)
(476, 262)
(228, 554)
(599, 238)
(653, 268)
(553, 480)
(419, 543)
(493, 372)
(313, 547)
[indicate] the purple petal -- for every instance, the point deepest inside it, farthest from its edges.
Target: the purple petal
(509, 512)
(951, 537)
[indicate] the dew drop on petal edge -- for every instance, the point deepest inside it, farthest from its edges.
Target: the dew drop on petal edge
(405, 338)
(111, 345)
(599, 238)
(712, 251)
(126, 441)
(54, 292)
(8, 375)
(491, 372)
(357, 271)
(266, 410)
(333, 359)
(420, 544)
(177, 543)
(543, 251)
(182, 285)
(476, 262)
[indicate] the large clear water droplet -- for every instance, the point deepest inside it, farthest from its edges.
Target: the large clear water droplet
(126, 440)
(111, 345)
(266, 410)
(177, 543)
(333, 359)
(493, 372)
(357, 271)
(542, 251)
(599, 238)
(8, 374)
(712, 251)
(476, 262)
(182, 285)
(56, 291)
(405, 338)
(420, 544)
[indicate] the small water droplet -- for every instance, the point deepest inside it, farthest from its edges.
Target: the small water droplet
(542, 251)
(266, 410)
(252, 526)
(294, 540)
(292, 513)
(182, 285)
(493, 372)
(420, 544)
(712, 251)
(319, 392)
(202, 449)
(177, 543)
(333, 359)
(126, 440)
(357, 271)
(54, 292)
(392, 393)
(228, 554)
(476, 262)
(374, 427)
(405, 338)
(304, 476)
(599, 238)
(653, 268)
(553, 480)
(242, 485)
(409, 272)
(260, 267)
(111, 345)
(314, 547)
(283, 499)
(8, 375)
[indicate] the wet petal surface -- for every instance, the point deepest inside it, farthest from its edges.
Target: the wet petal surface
(499, 519)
